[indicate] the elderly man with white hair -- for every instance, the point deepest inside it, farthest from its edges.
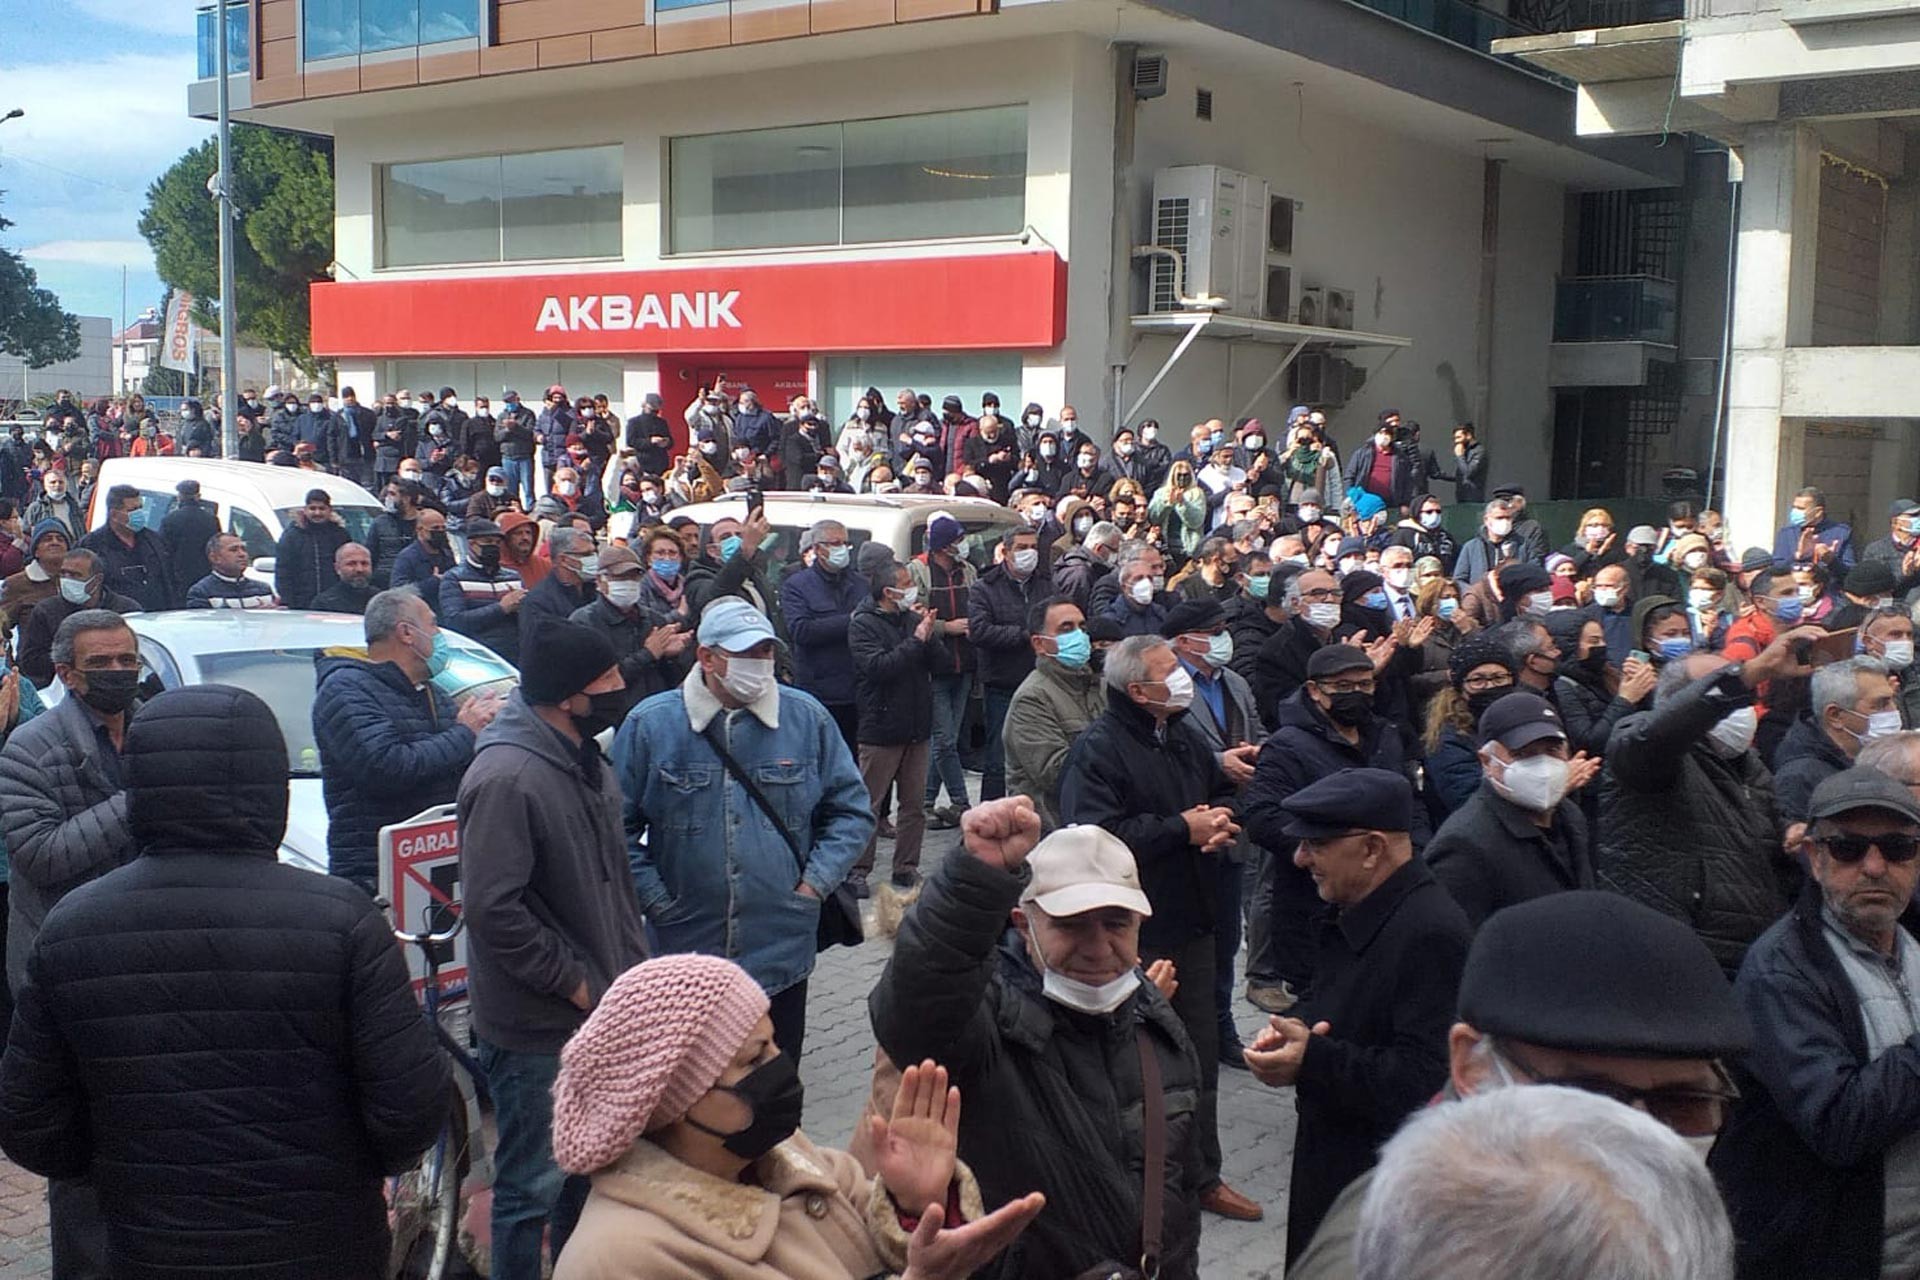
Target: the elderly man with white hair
(1541, 1184)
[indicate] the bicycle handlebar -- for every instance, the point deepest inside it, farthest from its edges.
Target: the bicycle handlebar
(429, 937)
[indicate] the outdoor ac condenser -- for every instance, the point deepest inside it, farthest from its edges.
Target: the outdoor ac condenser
(1217, 219)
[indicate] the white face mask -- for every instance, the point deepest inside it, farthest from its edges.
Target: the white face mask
(624, 593)
(1399, 579)
(1309, 514)
(909, 597)
(1536, 784)
(1607, 597)
(1141, 590)
(1084, 996)
(564, 488)
(496, 489)
(1596, 532)
(1325, 616)
(1880, 724)
(1500, 528)
(1429, 519)
(1898, 654)
(1539, 604)
(1703, 598)
(1149, 434)
(1694, 560)
(1179, 690)
(1734, 734)
(748, 679)
(1026, 560)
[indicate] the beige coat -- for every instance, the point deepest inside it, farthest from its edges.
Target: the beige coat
(812, 1214)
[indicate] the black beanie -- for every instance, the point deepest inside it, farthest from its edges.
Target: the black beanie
(559, 659)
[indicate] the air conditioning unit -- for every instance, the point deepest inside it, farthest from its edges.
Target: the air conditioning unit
(1321, 379)
(1149, 75)
(1280, 211)
(1216, 218)
(1313, 307)
(1340, 303)
(1282, 298)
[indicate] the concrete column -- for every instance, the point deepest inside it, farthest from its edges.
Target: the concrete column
(1772, 310)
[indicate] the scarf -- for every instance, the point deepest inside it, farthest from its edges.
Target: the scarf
(669, 591)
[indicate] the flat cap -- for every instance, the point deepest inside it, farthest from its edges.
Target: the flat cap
(1193, 615)
(1332, 659)
(1594, 972)
(620, 562)
(1518, 577)
(481, 527)
(1351, 546)
(1754, 559)
(1852, 790)
(1642, 535)
(1350, 800)
(1902, 507)
(1870, 578)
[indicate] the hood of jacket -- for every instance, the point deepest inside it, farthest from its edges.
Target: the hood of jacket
(206, 770)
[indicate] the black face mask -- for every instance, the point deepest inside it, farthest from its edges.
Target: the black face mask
(488, 558)
(1595, 662)
(111, 692)
(774, 1093)
(438, 540)
(1480, 699)
(1352, 709)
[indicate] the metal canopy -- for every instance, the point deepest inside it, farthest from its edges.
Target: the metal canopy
(1192, 325)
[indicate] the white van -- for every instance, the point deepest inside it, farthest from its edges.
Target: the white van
(256, 501)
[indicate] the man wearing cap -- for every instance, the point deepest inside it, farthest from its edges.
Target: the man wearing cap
(1585, 989)
(945, 578)
(21, 592)
(1378, 468)
(1868, 585)
(480, 599)
(1145, 772)
(1369, 1043)
(82, 586)
(541, 850)
(649, 646)
(1528, 531)
(186, 531)
(818, 603)
(1687, 818)
(1645, 576)
(713, 873)
(303, 564)
(1900, 549)
(1820, 1163)
(1493, 546)
(1854, 702)
(1326, 726)
(1043, 1027)
(1518, 836)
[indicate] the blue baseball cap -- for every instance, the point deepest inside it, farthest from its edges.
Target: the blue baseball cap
(733, 624)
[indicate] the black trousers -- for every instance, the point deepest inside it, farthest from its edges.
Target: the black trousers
(1193, 962)
(788, 1012)
(847, 716)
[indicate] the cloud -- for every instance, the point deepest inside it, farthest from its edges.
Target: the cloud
(164, 17)
(102, 128)
(92, 253)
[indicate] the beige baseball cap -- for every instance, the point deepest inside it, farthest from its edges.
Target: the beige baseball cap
(1083, 868)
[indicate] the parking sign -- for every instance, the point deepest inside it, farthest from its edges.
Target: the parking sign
(420, 876)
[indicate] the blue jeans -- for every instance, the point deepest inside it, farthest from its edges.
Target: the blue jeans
(993, 778)
(519, 478)
(529, 1191)
(949, 712)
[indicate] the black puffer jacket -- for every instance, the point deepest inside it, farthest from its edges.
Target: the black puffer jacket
(1054, 1096)
(227, 1046)
(1689, 832)
(893, 675)
(997, 624)
(303, 560)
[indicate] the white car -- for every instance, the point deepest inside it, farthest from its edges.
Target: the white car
(898, 519)
(270, 653)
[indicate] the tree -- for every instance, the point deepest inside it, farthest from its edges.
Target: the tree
(283, 198)
(32, 325)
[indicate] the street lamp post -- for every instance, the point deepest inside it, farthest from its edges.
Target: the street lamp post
(229, 401)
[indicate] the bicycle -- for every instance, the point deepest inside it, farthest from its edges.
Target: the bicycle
(426, 1203)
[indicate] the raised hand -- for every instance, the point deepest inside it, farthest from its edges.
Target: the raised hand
(1581, 770)
(936, 1253)
(1164, 976)
(1002, 832)
(914, 1151)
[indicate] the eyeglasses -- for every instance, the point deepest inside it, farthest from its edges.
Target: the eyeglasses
(1480, 684)
(1894, 847)
(1689, 1112)
(1328, 593)
(1345, 686)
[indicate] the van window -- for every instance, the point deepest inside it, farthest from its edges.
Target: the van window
(983, 535)
(260, 543)
(785, 555)
(155, 508)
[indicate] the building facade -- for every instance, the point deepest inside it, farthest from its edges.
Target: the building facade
(1368, 211)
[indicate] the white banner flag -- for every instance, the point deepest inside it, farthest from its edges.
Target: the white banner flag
(179, 336)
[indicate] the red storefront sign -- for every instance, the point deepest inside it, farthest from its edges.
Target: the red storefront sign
(988, 302)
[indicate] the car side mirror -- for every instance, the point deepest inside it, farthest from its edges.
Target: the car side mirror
(264, 565)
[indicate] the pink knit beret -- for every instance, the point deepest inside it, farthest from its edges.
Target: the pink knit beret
(660, 1038)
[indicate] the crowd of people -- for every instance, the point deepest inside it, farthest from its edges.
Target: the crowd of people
(1630, 820)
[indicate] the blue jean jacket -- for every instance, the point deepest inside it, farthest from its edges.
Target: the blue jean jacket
(713, 874)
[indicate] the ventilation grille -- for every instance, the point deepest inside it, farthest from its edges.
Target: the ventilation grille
(1172, 228)
(1279, 293)
(1280, 224)
(1149, 76)
(1203, 104)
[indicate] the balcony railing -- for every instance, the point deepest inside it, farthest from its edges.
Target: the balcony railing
(1469, 24)
(204, 22)
(1615, 309)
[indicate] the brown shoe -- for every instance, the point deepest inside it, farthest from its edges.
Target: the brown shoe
(1276, 999)
(1225, 1202)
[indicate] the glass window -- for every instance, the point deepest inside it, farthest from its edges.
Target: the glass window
(967, 374)
(388, 24)
(449, 20)
(358, 520)
(331, 29)
(956, 173)
(561, 204)
(548, 204)
(260, 543)
(530, 377)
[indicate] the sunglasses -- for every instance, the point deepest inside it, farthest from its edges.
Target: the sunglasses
(1894, 848)
(1689, 1112)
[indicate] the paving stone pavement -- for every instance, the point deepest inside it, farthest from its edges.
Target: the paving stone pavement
(1256, 1127)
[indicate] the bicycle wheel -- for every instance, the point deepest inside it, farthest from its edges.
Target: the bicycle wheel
(424, 1203)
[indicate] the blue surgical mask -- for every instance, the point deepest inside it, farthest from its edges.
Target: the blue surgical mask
(1220, 650)
(138, 520)
(669, 569)
(1674, 647)
(1374, 600)
(1257, 586)
(1447, 607)
(436, 656)
(1072, 649)
(1796, 517)
(729, 547)
(1789, 610)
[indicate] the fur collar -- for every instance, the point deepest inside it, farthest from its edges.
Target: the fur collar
(733, 1217)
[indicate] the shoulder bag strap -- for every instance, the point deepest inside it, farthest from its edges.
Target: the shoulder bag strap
(1153, 1109)
(712, 734)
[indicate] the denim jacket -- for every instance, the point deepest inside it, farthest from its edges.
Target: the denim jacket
(712, 873)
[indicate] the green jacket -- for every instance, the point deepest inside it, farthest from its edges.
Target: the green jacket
(1049, 709)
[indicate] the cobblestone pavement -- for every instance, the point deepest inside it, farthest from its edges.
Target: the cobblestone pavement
(1256, 1129)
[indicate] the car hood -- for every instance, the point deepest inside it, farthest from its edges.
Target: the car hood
(305, 844)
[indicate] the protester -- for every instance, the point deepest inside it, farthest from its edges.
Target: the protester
(569, 584)
(187, 531)
(392, 530)
(1592, 696)
(480, 599)
(227, 586)
(226, 1047)
(352, 590)
(82, 586)
(39, 580)
(1810, 537)
(1854, 702)
(304, 559)
(896, 650)
(649, 645)
(390, 743)
(429, 559)
(132, 556)
(818, 603)
(761, 906)
(998, 608)
(1369, 1043)
(945, 578)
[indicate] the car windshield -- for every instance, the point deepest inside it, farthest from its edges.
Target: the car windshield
(283, 679)
(358, 519)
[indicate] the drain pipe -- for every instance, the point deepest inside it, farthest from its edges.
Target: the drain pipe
(1726, 326)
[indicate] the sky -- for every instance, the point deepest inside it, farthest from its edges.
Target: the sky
(104, 87)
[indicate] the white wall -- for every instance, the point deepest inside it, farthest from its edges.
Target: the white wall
(87, 375)
(1393, 217)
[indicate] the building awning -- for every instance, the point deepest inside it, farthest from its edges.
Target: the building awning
(1646, 51)
(1191, 326)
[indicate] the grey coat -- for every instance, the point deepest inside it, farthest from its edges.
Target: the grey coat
(65, 818)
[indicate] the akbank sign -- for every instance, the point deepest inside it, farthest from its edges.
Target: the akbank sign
(995, 301)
